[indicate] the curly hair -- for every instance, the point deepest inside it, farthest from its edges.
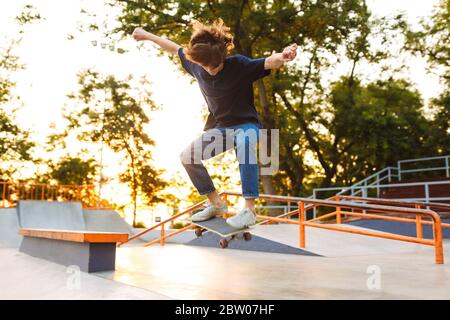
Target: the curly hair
(209, 44)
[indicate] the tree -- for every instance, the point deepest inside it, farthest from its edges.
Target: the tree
(71, 171)
(319, 27)
(431, 42)
(384, 121)
(441, 123)
(15, 143)
(119, 122)
(253, 22)
(314, 150)
(15, 146)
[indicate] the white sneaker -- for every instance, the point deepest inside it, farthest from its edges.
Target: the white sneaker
(210, 212)
(245, 218)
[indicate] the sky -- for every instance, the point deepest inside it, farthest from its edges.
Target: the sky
(52, 62)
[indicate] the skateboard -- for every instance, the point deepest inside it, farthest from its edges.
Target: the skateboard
(222, 228)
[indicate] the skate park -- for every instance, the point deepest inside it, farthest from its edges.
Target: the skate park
(325, 258)
(123, 126)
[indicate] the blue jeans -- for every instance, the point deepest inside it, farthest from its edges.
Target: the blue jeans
(243, 138)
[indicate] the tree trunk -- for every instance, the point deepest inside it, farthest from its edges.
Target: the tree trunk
(134, 214)
(134, 184)
(134, 197)
(268, 123)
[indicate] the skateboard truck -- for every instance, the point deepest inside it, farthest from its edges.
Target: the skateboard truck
(224, 230)
(247, 236)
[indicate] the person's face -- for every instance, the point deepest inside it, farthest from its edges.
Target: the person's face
(211, 70)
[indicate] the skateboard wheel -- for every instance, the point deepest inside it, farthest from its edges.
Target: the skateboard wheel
(247, 236)
(198, 232)
(223, 243)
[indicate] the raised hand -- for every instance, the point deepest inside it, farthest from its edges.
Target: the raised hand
(140, 34)
(289, 53)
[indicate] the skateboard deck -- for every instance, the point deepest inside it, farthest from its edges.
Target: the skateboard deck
(223, 229)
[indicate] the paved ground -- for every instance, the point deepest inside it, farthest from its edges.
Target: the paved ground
(349, 263)
(186, 272)
(25, 277)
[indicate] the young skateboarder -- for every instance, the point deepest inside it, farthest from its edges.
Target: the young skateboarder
(226, 82)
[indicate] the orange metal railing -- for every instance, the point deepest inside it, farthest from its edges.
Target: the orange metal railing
(162, 224)
(411, 204)
(12, 192)
(295, 211)
(370, 211)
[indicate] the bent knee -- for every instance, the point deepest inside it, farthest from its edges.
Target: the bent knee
(185, 156)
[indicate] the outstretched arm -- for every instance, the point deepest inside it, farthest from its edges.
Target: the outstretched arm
(140, 34)
(277, 60)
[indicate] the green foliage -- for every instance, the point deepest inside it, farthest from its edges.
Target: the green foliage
(118, 120)
(432, 41)
(15, 143)
(28, 15)
(329, 134)
(379, 128)
(178, 225)
(74, 171)
(140, 225)
(440, 137)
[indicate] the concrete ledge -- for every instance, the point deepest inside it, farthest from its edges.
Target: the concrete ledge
(75, 236)
(89, 257)
(90, 251)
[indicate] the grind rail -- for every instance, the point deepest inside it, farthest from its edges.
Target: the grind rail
(342, 207)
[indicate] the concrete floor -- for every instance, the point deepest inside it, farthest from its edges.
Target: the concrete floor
(184, 272)
(407, 271)
(25, 277)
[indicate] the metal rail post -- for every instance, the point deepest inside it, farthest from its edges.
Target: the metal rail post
(447, 168)
(162, 235)
(338, 215)
(314, 209)
(419, 233)
(301, 220)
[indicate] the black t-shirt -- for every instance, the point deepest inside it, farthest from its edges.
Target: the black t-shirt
(228, 94)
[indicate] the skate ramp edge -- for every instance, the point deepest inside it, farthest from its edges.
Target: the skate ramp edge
(9, 225)
(34, 214)
(257, 243)
(111, 221)
(56, 215)
(106, 221)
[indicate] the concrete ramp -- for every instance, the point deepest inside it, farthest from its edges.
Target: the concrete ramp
(106, 221)
(50, 215)
(9, 225)
(111, 221)
(57, 215)
(181, 238)
(257, 243)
